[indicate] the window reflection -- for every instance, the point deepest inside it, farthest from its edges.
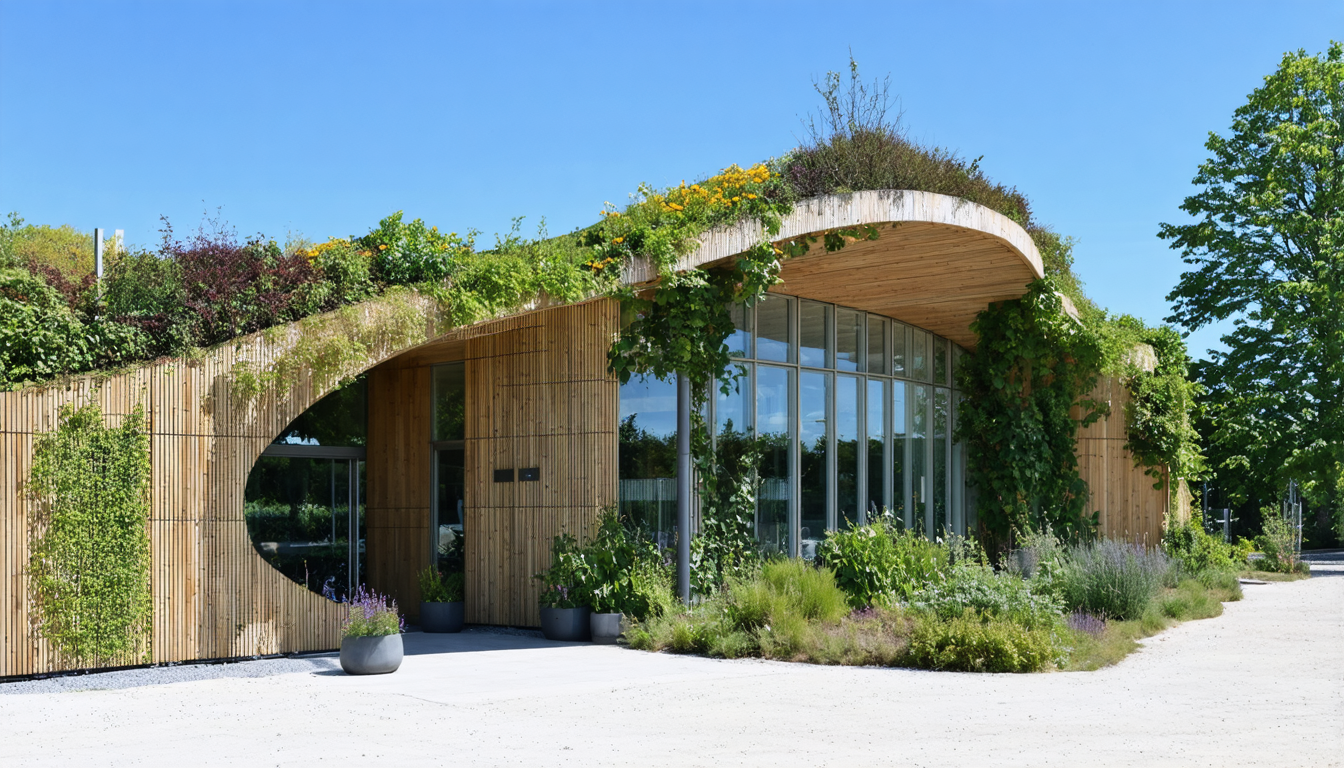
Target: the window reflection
(814, 330)
(648, 455)
(813, 472)
(849, 342)
(846, 450)
(773, 390)
(774, 329)
(876, 438)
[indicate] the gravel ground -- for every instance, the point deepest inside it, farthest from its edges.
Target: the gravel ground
(1261, 685)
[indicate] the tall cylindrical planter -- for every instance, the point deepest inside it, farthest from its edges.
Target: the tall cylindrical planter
(606, 627)
(441, 617)
(376, 655)
(569, 624)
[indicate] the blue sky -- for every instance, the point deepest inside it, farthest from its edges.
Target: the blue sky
(321, 118)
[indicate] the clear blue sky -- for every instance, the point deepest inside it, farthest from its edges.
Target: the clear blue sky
(320, 118)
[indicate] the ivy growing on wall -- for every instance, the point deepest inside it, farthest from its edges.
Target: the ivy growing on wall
(89, 559)
(1158, 418)
(1033, 365)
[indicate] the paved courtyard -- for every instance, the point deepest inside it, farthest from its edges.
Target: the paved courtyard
(1261, 685)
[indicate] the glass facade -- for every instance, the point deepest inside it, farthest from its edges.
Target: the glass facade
(855, 413)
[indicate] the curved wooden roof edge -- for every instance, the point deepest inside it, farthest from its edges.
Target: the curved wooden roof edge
(881, 206)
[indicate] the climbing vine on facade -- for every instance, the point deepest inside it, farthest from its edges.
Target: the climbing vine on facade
(1033, 365)
(89, 560)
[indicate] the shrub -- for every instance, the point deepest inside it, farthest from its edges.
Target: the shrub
(1196, 549)
(439, 587)
(406, 253)
(968, 643)
(1112, 579)
(1277, 542)
(973, 589)
(876, 564)
(564, 583)
(786, 588)
(144, 291)
(372, 615)
(345, 270)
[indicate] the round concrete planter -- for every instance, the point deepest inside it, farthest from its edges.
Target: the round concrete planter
(606, 627)
(570, 624)
(371, 655)
(441, 617)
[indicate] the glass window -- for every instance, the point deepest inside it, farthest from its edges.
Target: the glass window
(739, 341)
(942, 419)
(450, 401)
(876, 437)
(900, 485)
(648, 454)
(877, 344)
(900, 334)
(849, 341)
(847, 450)
(958, 471)
(339, 419)
(774, 428)
(919, 355)
(957, 354)
(450, 498)
(921, 513)
(814, 346)
(813, 472)
(299, 517)
(774, 329)
(941, 364)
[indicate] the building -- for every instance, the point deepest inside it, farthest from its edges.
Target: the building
(270, 494)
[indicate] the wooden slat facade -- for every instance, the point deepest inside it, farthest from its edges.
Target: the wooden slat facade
(1131, 508)
(538, 395)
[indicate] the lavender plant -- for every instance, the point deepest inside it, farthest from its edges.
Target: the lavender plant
(1113, 579)
(373, 615)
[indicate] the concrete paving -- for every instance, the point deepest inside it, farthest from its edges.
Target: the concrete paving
(1261, 685)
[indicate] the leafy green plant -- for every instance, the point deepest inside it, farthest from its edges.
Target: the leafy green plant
(970, 643)
(1196, 549)
(877, 564)
(566, 583)
(979, 590)
(89, 538)
(1159, 430)
(439, 587)
(1276, 542)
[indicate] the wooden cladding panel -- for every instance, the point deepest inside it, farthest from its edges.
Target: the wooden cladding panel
(538, 395)
(1130, 507)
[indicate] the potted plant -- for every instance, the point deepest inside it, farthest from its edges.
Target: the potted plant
(564, 600)
(441, 600)
(617, 557)
(372, 638)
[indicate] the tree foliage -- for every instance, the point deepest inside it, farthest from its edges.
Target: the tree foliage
(1266, 251)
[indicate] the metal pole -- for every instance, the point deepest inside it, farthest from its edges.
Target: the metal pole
(98, 254)
(684, 488)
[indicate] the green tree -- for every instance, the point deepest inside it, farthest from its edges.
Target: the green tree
(1266, 249)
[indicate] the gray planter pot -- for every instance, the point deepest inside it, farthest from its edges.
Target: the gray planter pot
(441, 617)
(570, 624)
(606, 627)
(371, 655)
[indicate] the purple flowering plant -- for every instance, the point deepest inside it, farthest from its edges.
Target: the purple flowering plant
(373, 615)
